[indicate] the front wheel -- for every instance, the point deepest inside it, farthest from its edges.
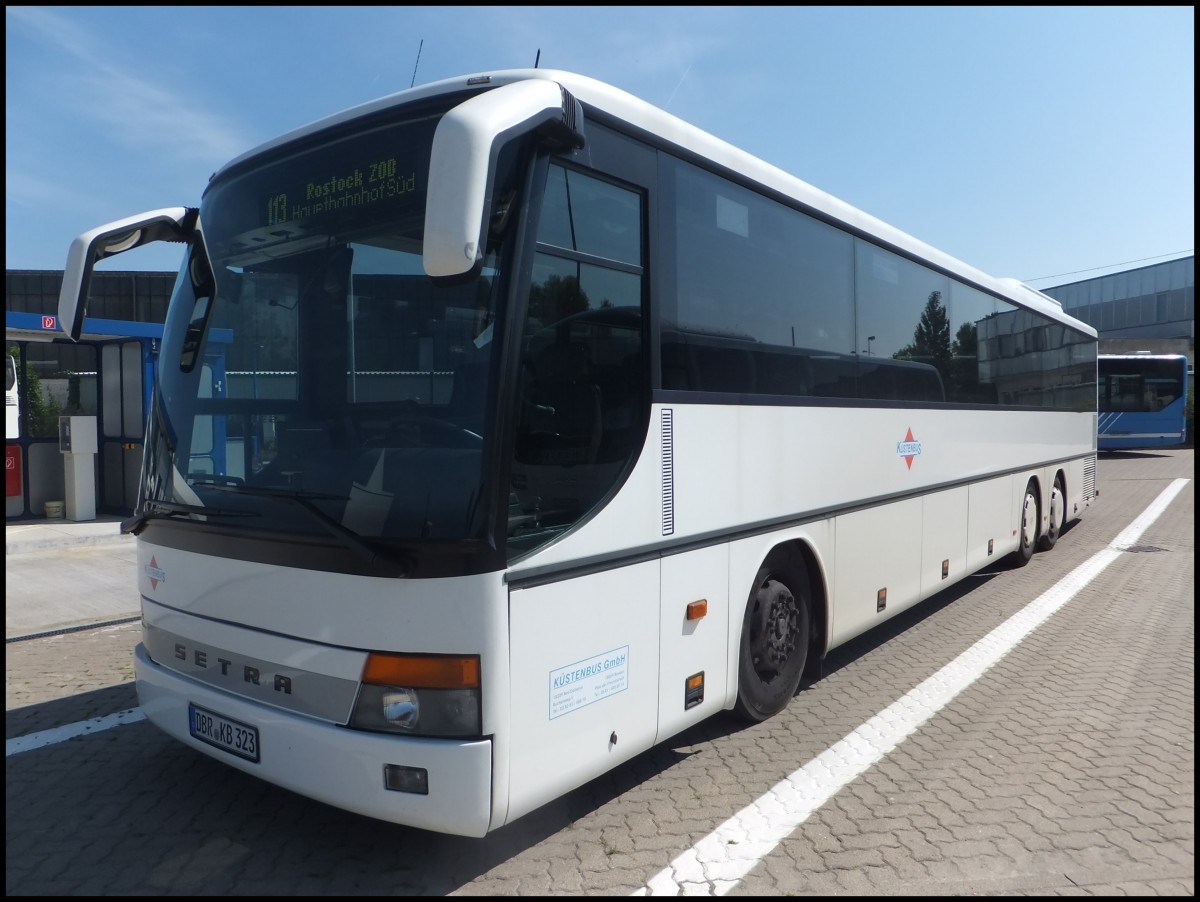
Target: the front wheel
(775, 639)
(1058, 516)
(1027, 528)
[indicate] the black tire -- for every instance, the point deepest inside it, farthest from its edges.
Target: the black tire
(1058, 516)
(1027, 527)
(776, 634)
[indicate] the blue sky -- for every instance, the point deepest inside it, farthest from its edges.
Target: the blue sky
(1047, 143)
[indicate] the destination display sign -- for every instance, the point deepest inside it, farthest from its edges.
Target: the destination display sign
(348, 184)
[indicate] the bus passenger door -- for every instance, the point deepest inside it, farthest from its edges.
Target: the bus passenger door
(585, 663)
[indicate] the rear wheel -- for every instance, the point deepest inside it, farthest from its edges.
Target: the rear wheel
(1027, 527)
(1058, 515)
(776, 633)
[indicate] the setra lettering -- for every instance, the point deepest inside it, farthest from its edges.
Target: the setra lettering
(204, 659)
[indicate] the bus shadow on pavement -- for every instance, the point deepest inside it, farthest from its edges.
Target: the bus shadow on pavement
(881, 635)
(72, 709)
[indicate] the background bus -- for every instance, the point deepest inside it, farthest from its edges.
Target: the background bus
(12, 399)
(553, 425)
(1143, 401)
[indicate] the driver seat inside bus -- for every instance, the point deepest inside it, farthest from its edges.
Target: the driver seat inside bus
(566, 423)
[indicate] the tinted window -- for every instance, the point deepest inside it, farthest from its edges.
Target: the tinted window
(771, 301)
(581, 390)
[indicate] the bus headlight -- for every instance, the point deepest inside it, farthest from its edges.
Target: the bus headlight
(402, 708)
(419, 695)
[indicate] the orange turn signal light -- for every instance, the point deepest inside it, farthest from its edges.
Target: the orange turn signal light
(697, 609)
(422, 671)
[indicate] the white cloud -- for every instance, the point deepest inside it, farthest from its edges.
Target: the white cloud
(134, 110)
(27, 190)
(139, 114)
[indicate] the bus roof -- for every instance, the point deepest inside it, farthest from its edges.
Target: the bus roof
(672, 130)
(1142, 356)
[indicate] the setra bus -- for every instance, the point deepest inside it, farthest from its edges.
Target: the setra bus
(1143, 400)
(507, 426)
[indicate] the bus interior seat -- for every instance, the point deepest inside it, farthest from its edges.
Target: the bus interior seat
(468, 395)
(563, 389)
(725, 369)
(834, 376)
(413, 492)
(676, 366)
(301, 449)
(781, 372)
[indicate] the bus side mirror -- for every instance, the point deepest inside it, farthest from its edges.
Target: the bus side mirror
(170, 224)
(462, 163)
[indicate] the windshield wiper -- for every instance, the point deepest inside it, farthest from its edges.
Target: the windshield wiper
(368, 549)
(154, 509)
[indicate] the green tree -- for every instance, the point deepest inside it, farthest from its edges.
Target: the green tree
(966, 341)
(931, 338)
(41, 409)
(74, 394)
(964, 385)
(556, 299)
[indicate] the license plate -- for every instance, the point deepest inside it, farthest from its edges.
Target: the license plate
(228, 735)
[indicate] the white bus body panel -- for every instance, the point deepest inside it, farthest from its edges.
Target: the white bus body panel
(585, 673)
(992, 518)
(891, 536)
(450, 616)
(823, 459)
(819, 459)
(325, 623)
(943, 539)
(606, 656)
(691, 647)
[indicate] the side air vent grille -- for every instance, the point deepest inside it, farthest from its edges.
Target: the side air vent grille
(668, 474)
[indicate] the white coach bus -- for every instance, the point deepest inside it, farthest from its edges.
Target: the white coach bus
(507, 426)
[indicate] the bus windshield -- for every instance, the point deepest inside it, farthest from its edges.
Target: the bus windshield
(312, 379)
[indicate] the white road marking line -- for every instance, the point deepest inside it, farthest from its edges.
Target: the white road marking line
(718, 862)
(56, 735)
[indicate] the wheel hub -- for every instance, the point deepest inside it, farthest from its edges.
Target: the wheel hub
(778, 622)
(1029, 524)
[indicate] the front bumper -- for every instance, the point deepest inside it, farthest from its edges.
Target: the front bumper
(332, 764)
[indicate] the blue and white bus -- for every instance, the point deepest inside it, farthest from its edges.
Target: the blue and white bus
(582, 426)
(1143, 401)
